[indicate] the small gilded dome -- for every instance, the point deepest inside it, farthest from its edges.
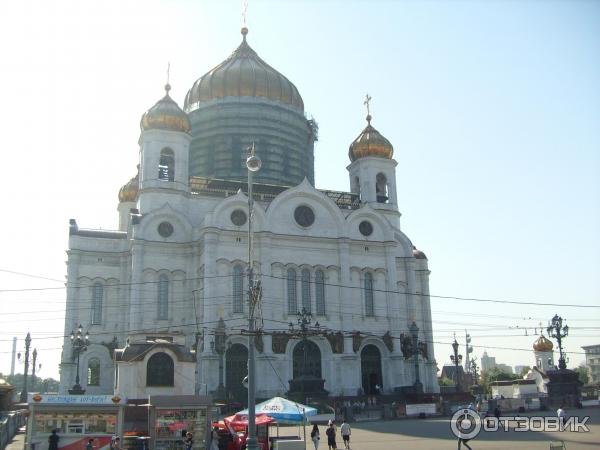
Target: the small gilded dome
(370, 143)
(543, 344)
(166, 115)
(129, 192)
(243, 74)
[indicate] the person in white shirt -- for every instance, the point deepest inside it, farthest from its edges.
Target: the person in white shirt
(346, 432)
(561, 414)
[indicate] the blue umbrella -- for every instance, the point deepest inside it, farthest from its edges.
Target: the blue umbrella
(284, 410)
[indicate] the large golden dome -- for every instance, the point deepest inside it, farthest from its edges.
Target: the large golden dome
(370, 143)
(166, 115)
(129, 192)
(243, 74)
(543, 344)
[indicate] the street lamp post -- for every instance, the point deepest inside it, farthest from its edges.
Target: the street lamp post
(218, 345)
(456, 359)
(80, 344)
(253, 164)
(558, 331)
(414, 332)
(23, 398)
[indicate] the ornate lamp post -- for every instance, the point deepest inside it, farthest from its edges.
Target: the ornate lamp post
(80, 344)
(253, 164)
(474, 369)
(456, 359)
(218, 346)
(557, 331)
(23, 398)
(414, 333)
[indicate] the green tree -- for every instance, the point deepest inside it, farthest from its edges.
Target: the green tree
(524, 371)
(445, 381)
(583, 374)
(42, 385)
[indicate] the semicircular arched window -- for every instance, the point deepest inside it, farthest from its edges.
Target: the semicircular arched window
(160, 371)
(93, 372)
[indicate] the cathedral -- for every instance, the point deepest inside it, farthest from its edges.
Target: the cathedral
(164, 297)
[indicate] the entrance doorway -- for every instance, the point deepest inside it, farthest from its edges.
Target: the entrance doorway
(236, 368)
(370, 365)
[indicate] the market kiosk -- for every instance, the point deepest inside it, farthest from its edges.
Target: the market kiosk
(76, 419)
(173, 416)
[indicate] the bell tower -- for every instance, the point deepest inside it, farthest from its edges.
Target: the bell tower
(164, 146)
(373, 170)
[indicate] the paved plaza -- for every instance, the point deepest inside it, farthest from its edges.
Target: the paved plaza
(434, 434)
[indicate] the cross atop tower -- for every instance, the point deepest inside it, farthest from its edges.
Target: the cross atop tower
(168, 85)
(244, 11)
(367, 103)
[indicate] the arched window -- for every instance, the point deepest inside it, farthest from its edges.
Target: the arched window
(238, 289)
(97, 297)
(368, 288)
(381, 188)
(306, 303)
(163, 297)
(291, 292)
(93, 372)
(160, 370)
(166, 165)
(320, 292)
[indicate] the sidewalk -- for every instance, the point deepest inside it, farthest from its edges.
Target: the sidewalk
(17, 443)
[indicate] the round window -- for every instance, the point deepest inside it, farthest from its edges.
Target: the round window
(238, 217)
(165, 229)
(365, 228)
(304, 216)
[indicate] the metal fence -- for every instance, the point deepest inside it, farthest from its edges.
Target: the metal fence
(10, 422)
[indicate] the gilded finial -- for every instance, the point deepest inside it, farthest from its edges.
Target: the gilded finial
(367, 103)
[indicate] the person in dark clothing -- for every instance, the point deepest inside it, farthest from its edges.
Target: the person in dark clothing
(497, 414)
(331, 437)
(53, 441)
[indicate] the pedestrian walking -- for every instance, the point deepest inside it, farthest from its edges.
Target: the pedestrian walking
(315, 436)
(117, 443)
(346, 431)
(331, 436)
(214, 439)
(188, 442)
(90, 444)
(53, 441)
(561, 414)
(497, 414)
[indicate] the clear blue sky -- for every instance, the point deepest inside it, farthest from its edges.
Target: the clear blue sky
(493, 109)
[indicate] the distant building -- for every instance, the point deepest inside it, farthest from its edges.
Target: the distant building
(465, 380)
(487, 362)
(592, 362)
(519, 369)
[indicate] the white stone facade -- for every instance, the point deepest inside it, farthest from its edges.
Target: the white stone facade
(178, 263)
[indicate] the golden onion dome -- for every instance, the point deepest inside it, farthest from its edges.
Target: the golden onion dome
(243, 74)
(129, 191)
(370, 143)
(166, 115)
(543, 344)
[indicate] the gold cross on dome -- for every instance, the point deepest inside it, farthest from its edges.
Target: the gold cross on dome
(244, 11)
(367, 103)
(168, 72)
